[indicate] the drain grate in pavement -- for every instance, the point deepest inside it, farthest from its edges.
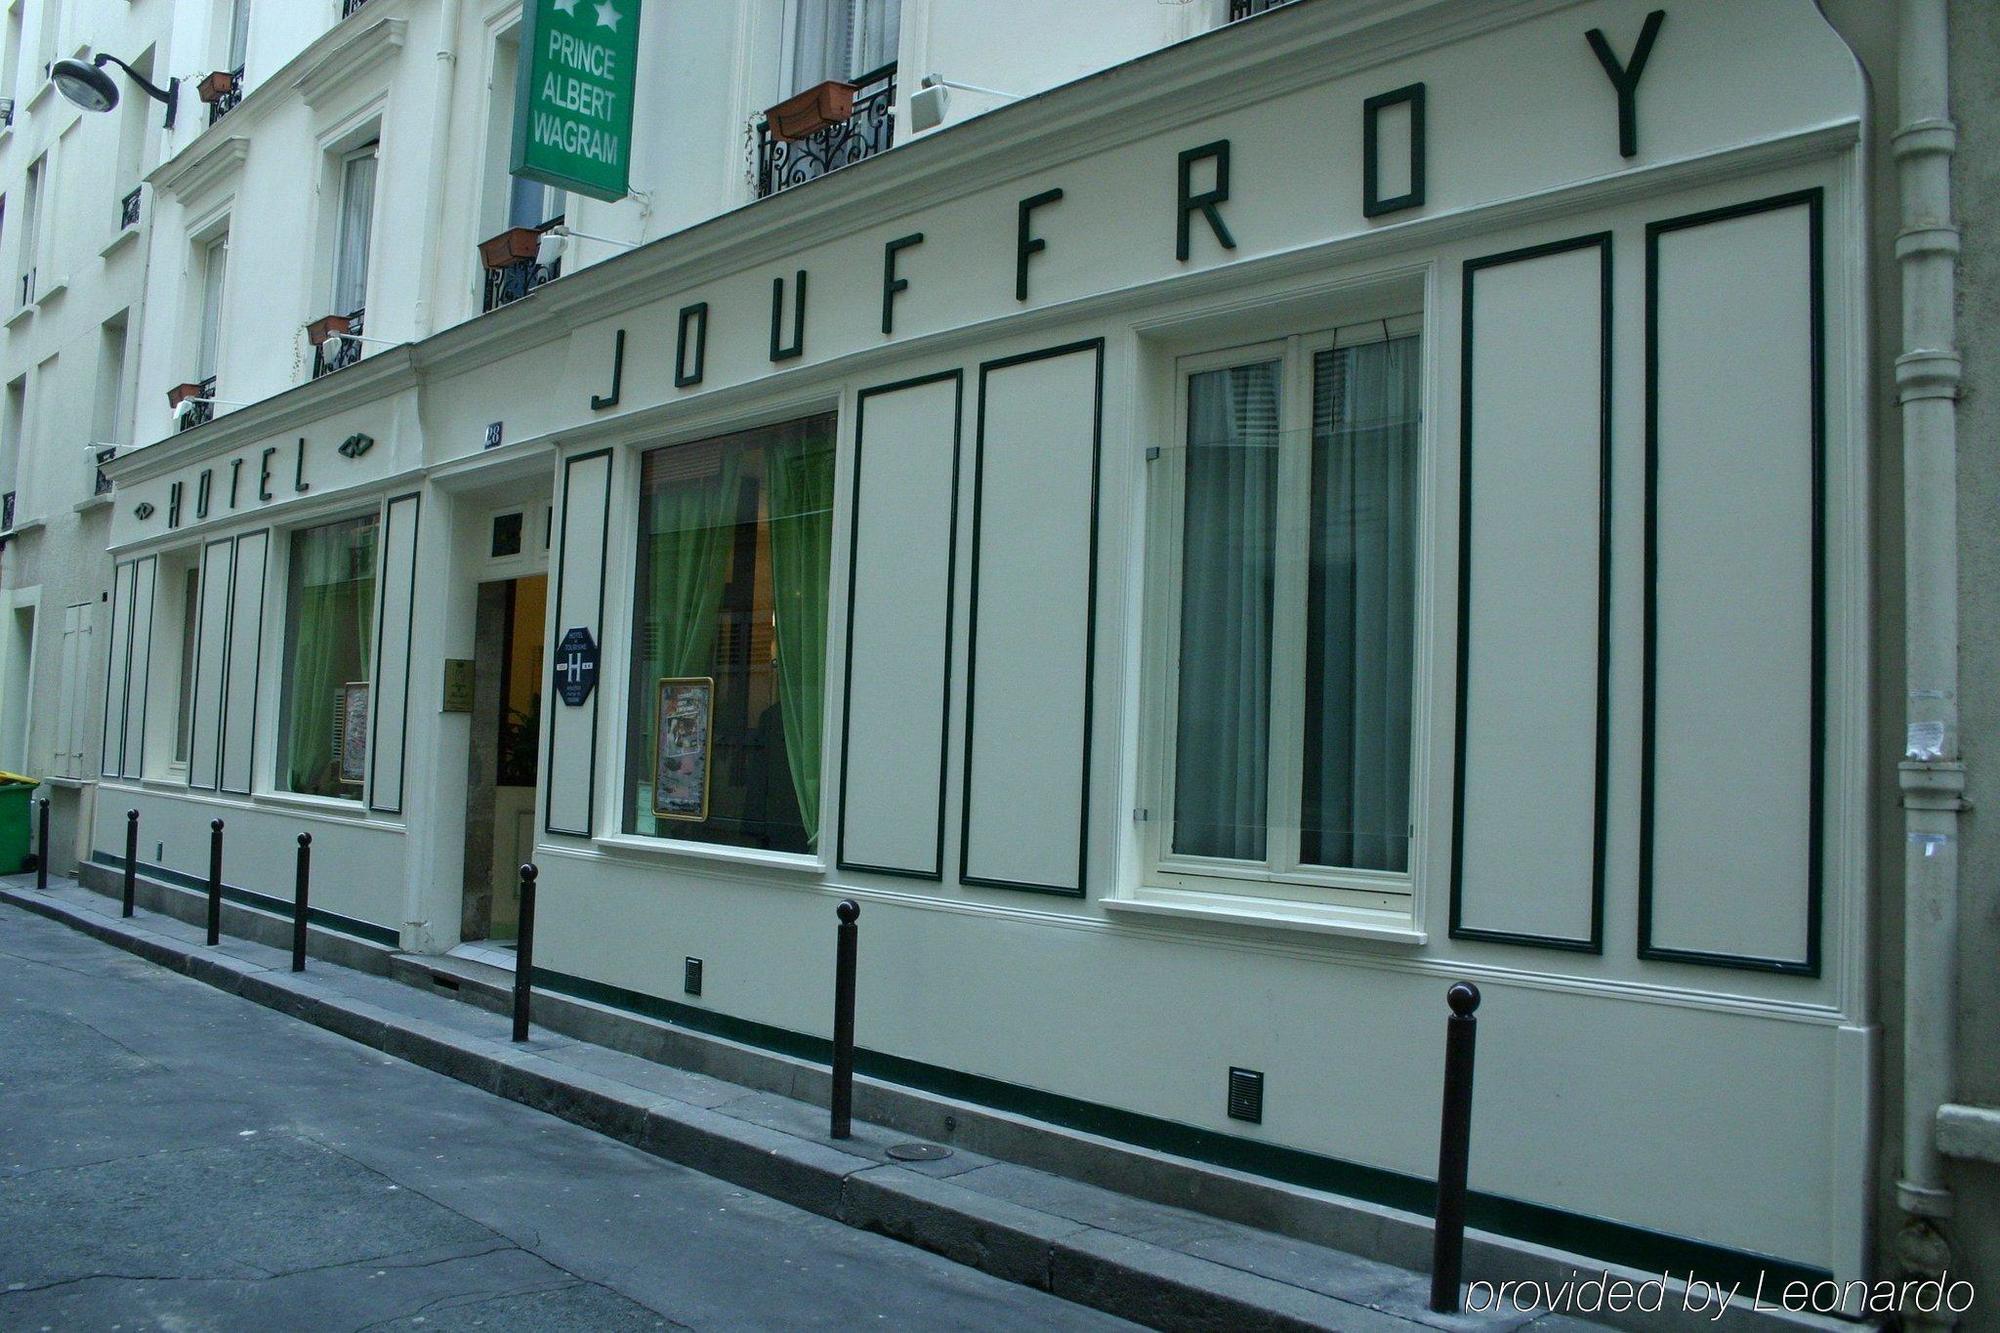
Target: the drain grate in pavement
(919, 1152)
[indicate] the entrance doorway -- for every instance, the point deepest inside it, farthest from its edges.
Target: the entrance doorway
(503, 758)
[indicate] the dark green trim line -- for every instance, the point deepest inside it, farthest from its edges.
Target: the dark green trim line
(1607, 1241)
(1813, 201)
(965, 875)
(1594, 943)
(957, 378)
(318, 916)
(597, 632)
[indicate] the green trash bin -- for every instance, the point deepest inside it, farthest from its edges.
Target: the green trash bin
(16, 814)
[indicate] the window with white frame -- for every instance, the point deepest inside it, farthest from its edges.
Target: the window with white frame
(214, 265)
(32, 192)
(353, 229)
(1283, 610)
(839, 39)
(236, 36)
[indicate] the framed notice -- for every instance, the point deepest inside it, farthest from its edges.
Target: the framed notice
(682, 709)
(351, 732)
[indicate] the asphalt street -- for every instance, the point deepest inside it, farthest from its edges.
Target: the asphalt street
(172, 1157)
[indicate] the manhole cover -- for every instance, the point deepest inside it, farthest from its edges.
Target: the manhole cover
(919, 1152)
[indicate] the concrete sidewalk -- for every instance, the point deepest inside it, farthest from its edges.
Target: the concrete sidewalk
(1160, 1265)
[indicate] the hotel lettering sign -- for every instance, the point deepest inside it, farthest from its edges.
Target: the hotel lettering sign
(573, 95)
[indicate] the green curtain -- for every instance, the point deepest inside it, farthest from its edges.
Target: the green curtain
(690, 526)
(332, 641)
(801, 473)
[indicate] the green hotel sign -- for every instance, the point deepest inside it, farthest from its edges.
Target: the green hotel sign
(573, 95)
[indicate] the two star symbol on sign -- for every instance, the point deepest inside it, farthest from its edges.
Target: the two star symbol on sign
(607, 17)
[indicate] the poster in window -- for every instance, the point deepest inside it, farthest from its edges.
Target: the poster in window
(681, 747)
(353, 732)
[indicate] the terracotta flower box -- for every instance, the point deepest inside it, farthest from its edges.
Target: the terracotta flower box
(829, 103)
(510, 247)
(327, 326)
(181, 392)
(215, 85)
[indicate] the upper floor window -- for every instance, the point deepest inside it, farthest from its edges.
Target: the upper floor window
(33, 189)
(1284, 604)
(840, 39)
(353, 230)
(237, 47)
(214, 262)
(817, 129)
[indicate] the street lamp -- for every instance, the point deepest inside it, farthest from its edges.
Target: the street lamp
(87, 85)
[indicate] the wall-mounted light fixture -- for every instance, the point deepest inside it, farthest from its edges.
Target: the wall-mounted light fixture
(930, 101)
(87, 85)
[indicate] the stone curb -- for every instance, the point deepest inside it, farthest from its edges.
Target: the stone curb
(1150, 1284)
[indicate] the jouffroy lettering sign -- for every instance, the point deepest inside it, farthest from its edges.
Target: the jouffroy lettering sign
(576, 666)
(573, 99)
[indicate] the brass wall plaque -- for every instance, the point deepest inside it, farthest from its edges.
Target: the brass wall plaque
(457, 685)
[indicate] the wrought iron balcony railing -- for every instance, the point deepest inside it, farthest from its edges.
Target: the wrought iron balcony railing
(1243, 9)
(27, 289)
(783, 163)
(509, 282)
(225, 101)
(6, 111)
(128, 210)
(201, 408)
(349, 7)
(7, 512)
(102, 486)
(337, 353)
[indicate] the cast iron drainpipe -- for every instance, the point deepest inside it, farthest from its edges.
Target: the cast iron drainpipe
(1932, 775)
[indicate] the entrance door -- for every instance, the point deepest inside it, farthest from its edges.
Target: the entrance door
(504, 754)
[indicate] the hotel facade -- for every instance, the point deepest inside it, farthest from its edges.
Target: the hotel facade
(1210, 521)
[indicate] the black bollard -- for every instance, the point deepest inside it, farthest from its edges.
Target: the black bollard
(1454, 1145)
(214, 881)
(524, 951)
(299, 894)
(42, 849)
(842, 1099)
(131, 861)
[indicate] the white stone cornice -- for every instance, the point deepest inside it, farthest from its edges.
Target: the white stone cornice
(192, 173)
(347, 62)
(368, 380)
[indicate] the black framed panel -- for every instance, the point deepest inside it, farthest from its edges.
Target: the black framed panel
(1812, 201)
(412, 502)
(1373, 205)
(966, 873)
(1593, 941)
(564, 556)
(259, 589)
(935, 869)
(117, 669)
